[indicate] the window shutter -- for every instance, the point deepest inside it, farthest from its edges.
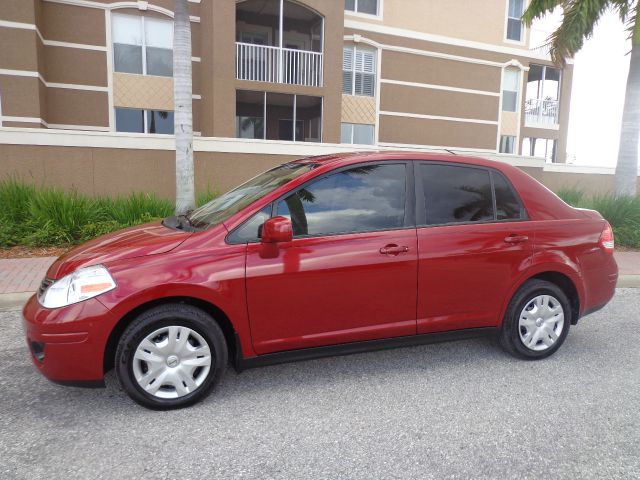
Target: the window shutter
(347, 59)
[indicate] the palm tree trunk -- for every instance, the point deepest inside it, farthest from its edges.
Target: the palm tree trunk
(627, 167)
(183, 118)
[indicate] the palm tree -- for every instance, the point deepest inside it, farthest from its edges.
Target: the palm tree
(578, 22)
(183, 118)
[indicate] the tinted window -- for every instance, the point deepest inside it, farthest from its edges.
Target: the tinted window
(456, 194)
(221, 208)
(250, 230)
(129, 120)
(364, 198)
(508, 206)
(160, 122)
(127, 58)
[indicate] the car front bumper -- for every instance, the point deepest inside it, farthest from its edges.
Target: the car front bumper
(67, 344)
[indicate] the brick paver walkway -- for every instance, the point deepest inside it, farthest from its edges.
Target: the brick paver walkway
(25, 274)
(22, 274)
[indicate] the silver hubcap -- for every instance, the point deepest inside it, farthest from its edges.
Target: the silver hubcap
(172, 362)
(541, 322)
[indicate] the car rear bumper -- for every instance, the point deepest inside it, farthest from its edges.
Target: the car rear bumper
(67, 344)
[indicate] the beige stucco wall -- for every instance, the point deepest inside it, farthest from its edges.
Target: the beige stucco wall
(479, 21)
(110, 171)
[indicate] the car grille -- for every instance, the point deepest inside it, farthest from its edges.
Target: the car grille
(46, 283)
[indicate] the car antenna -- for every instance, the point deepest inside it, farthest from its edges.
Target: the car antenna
(450, 151)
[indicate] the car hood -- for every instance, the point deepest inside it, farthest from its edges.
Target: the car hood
(139, 241)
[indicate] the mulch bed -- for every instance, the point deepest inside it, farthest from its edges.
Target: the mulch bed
(29, 252)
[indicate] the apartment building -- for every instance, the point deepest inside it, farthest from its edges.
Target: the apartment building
(459, 75)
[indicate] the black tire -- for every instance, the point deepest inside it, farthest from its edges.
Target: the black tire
(509, 336)
(164, 316)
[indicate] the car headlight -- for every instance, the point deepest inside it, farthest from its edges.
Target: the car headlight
(80, 285)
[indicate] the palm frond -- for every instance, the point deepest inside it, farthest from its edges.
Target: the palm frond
(579, 19)
(538, 9)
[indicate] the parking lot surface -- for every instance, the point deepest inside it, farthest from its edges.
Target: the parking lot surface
(451, 410)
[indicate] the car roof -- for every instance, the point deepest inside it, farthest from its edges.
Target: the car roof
(338, 159)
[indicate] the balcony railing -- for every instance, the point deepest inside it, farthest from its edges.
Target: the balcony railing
(541, 112)
(263, 63)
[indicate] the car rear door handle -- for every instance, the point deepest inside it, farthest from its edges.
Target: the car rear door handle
(516, 239)
(393, 249)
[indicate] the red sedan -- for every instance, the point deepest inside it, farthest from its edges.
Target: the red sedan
(320, 256)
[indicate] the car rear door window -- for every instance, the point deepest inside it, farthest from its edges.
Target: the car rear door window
(455, 194)
(359, 199)
(508, 206)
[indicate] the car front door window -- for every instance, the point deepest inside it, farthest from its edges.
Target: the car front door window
(359, 199)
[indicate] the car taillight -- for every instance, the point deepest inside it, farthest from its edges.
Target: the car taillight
(606, 238)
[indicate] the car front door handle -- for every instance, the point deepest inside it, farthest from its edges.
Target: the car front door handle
(393, 249)
(516, 239)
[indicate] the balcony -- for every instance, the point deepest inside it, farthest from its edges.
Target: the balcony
(264, 63)
(279, 41)
(541, 113)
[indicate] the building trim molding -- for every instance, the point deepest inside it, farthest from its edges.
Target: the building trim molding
(429, 37)
(69, 86)
(439, 117)
(439, 87)
(105, 139)
(141, 5)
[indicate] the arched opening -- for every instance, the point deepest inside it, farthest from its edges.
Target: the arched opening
(279, 41)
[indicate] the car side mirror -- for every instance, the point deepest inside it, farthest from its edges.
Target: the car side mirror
(277, 229)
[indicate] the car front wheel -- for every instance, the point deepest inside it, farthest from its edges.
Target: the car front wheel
(171, 357)
(537, 321)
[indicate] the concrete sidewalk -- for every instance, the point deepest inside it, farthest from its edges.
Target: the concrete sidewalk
(20, 277)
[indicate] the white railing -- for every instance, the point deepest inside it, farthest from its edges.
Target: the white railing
(262, 63)
(543, 112)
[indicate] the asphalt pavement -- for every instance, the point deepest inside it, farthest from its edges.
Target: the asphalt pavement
(451, 410)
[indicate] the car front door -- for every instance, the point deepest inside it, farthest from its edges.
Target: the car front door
(473, 240)
(350, 272)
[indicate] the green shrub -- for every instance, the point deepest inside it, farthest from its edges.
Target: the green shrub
(135, 208)
(206, 196)
(619, 211)
(64, 212)
(570, 195)
(627, 236)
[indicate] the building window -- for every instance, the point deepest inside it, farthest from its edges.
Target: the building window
(271, 116)
(136, 120)
(542, 96)
(357, 133)
(369, 7)
(142, 45)
(507, 143)
(515, 28)
(359, 71)
(540, 147)
(510, 89)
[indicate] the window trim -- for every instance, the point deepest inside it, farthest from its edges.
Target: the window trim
(409, 202)
(376, 16)
(523, 38)
(143, 45)
(421, 206)
(145, 121)
(354, 49)
(517, 91)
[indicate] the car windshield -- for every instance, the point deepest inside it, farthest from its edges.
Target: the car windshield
(220, 209)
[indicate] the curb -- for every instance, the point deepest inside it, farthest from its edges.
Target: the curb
(15, 301)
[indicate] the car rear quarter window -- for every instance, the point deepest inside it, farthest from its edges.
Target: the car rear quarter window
(455, 194)
(359, 199)
(508, 206)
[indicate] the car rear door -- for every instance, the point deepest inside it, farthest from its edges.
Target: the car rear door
(473, 240)
(350, 272)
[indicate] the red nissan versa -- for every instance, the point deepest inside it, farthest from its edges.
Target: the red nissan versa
(323, 255)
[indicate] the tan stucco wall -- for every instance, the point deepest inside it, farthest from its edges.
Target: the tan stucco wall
(481, 21)
(107, 171)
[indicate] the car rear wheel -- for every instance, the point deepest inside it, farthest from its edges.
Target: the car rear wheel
(537, 320)
(171, 357)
